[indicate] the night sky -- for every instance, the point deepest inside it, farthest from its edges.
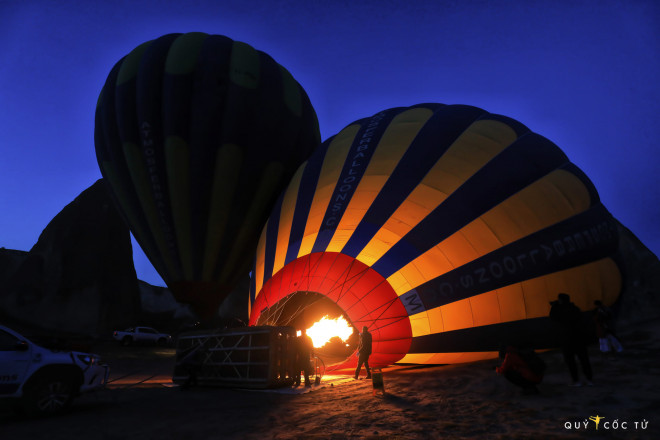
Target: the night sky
(582, 73)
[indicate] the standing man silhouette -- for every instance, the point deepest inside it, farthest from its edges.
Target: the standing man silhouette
(364, 351)
(305, 348)
(572, 336)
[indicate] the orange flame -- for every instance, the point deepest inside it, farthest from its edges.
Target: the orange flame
(325, 329)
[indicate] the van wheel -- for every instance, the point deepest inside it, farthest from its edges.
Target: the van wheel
(162, 342)
(48, 395)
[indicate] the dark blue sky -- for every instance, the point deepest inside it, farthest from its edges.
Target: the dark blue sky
(582, 73)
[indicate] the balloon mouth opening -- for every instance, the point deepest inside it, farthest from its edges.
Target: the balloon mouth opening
(334, 335)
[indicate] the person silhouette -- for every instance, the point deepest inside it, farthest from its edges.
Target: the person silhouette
(607, 339)
(305, 348)
(364, 351)
(190, 363)
(572, 336)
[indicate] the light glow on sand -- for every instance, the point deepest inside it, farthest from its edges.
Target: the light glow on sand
(325, 329)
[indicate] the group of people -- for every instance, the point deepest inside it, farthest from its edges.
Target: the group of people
(304, 349)
(301, 354)
(522, 367)
(190, 360)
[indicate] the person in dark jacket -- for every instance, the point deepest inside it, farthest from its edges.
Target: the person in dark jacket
(305, 348)
(573, 337)
(605, 329)
(364, 351)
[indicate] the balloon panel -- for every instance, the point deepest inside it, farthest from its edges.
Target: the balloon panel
(470, 222)
(197, 135)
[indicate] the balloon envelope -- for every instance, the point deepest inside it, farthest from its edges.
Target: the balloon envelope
(197, 135)
(445, 229)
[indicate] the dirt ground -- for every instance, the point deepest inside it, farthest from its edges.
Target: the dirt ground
(449, 402)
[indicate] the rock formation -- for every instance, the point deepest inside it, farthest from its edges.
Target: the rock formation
(79, 276)
(640, 298)
(10, 260)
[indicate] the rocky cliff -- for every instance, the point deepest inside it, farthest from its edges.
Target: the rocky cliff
(640, 298)
(79, 277)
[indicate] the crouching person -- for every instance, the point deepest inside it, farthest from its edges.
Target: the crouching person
(190, 364)
(522, 367)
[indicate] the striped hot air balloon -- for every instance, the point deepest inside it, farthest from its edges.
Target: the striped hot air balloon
(197, 135)
(445, 229)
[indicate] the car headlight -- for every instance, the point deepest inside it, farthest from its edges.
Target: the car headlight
(88, 359)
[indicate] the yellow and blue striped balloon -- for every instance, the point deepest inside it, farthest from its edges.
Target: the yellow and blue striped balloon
(444, 229)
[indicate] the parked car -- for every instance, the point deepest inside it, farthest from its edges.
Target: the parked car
(143, 335)
(43, 381)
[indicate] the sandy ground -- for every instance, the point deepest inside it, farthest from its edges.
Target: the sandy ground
(452, 402)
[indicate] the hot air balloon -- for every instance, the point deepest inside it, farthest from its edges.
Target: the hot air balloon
(197, 135)
(445, 229)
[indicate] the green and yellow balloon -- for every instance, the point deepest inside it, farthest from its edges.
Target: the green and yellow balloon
(197, 135)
